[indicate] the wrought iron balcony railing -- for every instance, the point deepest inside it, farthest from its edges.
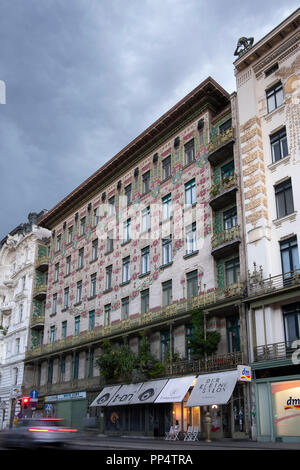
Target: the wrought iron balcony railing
(257, 285)
(275, 351)
(222, 186)
(220, 140)
(225, 236)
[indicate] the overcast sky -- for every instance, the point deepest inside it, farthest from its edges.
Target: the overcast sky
(85, 77)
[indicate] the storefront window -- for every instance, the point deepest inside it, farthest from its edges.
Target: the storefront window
(286, 408)
(238, 410)
(263, 408)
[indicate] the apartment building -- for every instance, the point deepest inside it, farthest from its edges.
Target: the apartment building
(151, 239)
(268, 94)
(17, 257)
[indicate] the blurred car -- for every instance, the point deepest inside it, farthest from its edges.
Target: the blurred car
(38, 433)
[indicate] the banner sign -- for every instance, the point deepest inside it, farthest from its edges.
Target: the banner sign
(125, 394)
(149, 392)
(175, 390)
(213, 389)
(105, 396)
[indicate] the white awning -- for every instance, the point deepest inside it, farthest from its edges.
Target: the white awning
(175, 390)
(105, 396)
(125, 394)
(213, 389)
(148, 392)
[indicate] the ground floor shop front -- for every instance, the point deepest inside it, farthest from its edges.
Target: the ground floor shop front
(278, 404)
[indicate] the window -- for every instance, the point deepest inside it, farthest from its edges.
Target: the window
(145, 301)
(17, 346)
(96, 216)
(225, 126)
(126, 269)
(58, 243)
(80, 258)
(189, 334)
(93, 285)
(76, 365)
(191, 238)
(15, 375)
(68, 265)
(94, 249)
(54, 303)
(128, 194)
(21, 313)
(82, 225)
(233, 333)
(289, 257)
(291, 318)
(64, 329)
(145, 260)
(56, 272)
(167, 250)
(90, 362)
(125, 308)
(167, 293)
(23, 282)
(190, 192)
(192, 284)
(127, 228)
(232, 271)
(279, 146)
(52, 334)
(111, 204)
(77, 325)
(189, 152)
(66, 297)
(50, 371)
(110, 241)
(166, 167)
(70, 234)
(284, 198)
(91, 320)
(166, 207)
(146, 219)
(108, 282)
(230, 218)
(164, 345)
(227, 170)
(146, 182)
(62, 368)
(274, 96)
(107, 310)
(79, 291)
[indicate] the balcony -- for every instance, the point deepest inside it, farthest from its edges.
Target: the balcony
(223, 193)
(221, 147)
(273, 352)
(177, 310)
(257, 286)
(42, 263)
(6, 308)
(40, 292)
(226, 242)
(210, 364)
(37, 322)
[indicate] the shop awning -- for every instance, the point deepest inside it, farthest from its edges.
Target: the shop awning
(175, 390)
(105, 396)
(148, 392)
(213, 389)
(125, 394)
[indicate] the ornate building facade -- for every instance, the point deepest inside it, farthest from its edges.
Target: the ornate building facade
(268, 91)
(151, 239)
(17, 257)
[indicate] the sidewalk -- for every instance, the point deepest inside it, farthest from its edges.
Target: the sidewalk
(146, 443)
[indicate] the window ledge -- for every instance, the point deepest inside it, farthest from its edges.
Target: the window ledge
(92, 297)
(106, 291)
(283, 161)
(189, 255)
(109, 252)
(77, 303)
(288, 218)
(144, 274)
(126, 242)
(124, 283)
(279, 109)
(94, 260)
(163, 266)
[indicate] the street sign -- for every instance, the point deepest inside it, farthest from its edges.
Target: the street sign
(34, 394)
(33, 405)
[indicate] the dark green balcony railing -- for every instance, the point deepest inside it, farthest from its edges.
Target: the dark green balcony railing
(225, 184)
(220, 140)
(225, 236)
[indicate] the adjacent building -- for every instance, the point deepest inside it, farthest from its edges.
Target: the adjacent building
(268, 95)
(17, 258)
